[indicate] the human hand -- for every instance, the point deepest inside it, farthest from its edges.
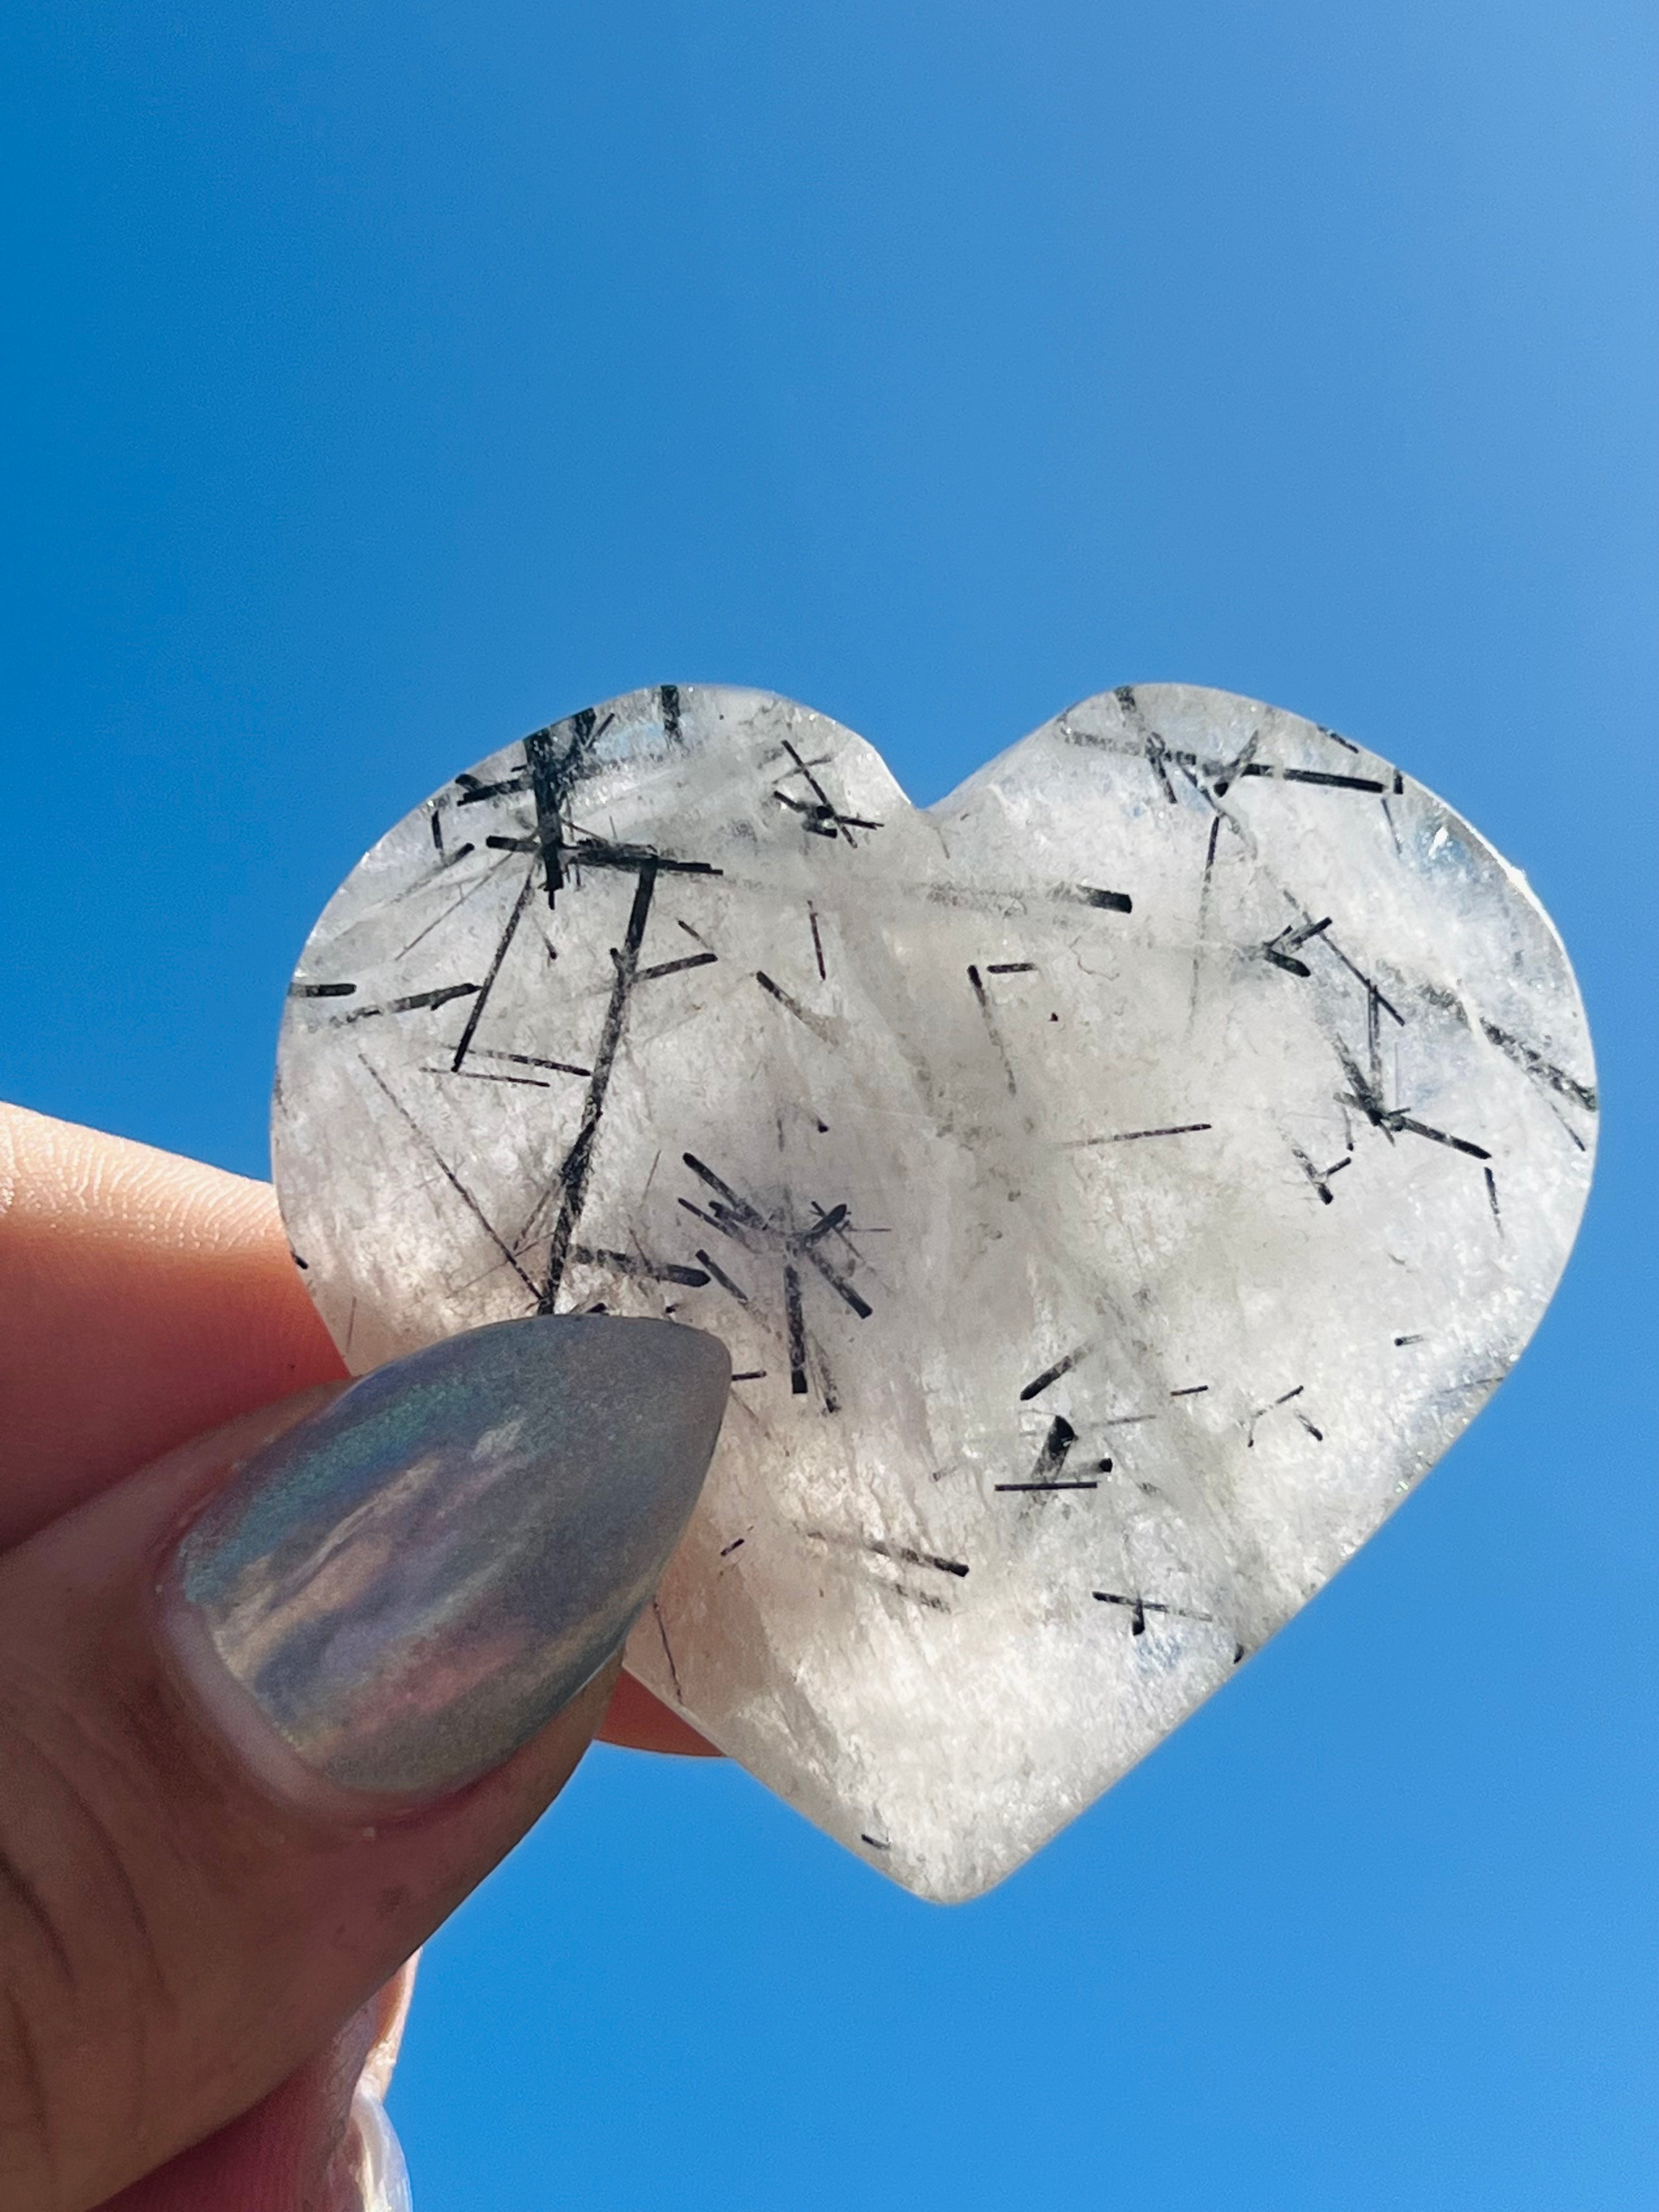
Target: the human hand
(202, 1931)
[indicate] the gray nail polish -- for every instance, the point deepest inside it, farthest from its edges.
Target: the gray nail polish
(410, 1582)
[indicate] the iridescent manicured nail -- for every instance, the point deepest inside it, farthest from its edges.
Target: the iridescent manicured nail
(408, 1583)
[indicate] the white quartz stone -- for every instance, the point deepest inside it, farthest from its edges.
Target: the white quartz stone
(1117, 1185)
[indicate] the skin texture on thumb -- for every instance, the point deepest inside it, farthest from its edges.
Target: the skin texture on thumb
(276, 2157)
(179, 1933)
(288, 2153)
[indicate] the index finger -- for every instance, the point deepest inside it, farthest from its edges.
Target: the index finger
(147, 1298)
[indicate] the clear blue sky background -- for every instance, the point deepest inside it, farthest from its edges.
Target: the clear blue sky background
(382, 379)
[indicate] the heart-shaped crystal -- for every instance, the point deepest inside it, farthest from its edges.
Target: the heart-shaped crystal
(1116, 1185)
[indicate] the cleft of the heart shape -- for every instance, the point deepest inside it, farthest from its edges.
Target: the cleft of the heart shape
(1116, 1185)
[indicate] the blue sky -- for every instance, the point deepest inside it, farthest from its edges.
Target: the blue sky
(383, 380)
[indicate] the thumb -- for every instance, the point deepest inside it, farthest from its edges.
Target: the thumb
(269, 1709)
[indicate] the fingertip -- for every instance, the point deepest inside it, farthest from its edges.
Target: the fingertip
(637, 1720)
(401, 1590)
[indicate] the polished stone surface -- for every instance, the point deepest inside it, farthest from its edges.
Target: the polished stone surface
(1116, 1185)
